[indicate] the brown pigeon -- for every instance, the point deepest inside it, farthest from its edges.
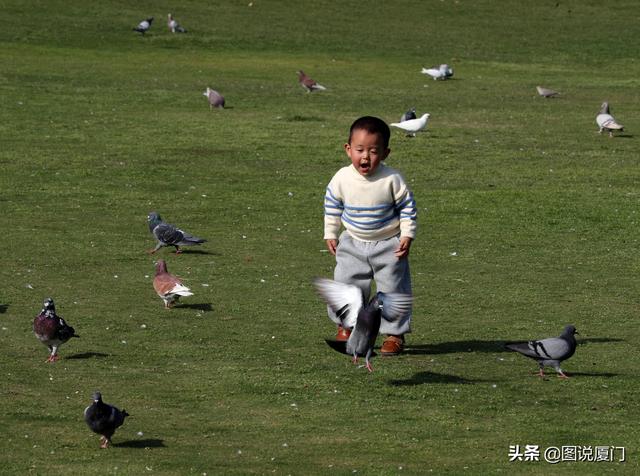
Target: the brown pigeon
(51, 329)
(168, 286)
(309, 84)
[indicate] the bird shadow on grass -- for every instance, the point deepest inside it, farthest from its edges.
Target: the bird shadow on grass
(88, 355)
(198, 252)
(422, 378)
(589, 340)
(204, 307)
(457, 347)
(592, 374)
(146, 443)
(3, 308)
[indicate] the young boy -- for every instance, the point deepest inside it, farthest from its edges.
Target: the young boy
(378, 212)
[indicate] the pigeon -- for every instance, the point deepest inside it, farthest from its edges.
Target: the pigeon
(173, 25)
(309, 84)
(51, 329)
(546, 93)
(144, 25)
(347, 301)
(215, 98)
(549, 352)
(413, 125)
(606, 121)
(168, 286)
(443, 72)
(103, 419)
(169, 235)
(410, 114)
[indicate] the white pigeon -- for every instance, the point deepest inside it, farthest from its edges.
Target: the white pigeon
(546, 92)
(173, 25)
(443, 72)
(413, 125)
(215, 98)
(606, 121)
(143, 26)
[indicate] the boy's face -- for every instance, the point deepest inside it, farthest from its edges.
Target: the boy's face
(366, 151)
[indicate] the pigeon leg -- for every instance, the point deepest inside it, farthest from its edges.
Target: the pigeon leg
(178, 250)
(367, 361)
(369, 368)
(104, 442)
(355, 359)
(561, 374)
(541, 372)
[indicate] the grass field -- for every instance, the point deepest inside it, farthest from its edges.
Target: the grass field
(528, 220)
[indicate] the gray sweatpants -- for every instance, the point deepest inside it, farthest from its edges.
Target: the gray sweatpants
(361, 262)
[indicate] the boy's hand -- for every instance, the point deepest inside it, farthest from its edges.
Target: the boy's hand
(332, 245)
(403, 249)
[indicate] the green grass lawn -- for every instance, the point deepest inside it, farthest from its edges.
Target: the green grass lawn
(528, 221)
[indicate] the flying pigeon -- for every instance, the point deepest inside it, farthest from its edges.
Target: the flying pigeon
(144, 25)
(308, 83)
(606, 121)
(51, 329)
(546, 93)
(103, 419)
(347, 301)
(215, 98)
(173, 25)
(169, 235)
(549, 352)
(168, 286)
(444, 71)
(410, 114)
(413, 125)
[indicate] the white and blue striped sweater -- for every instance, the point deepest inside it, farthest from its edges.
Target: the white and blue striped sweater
(371, 208)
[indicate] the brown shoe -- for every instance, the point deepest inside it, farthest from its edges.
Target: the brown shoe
(392, 345)
(343, 334)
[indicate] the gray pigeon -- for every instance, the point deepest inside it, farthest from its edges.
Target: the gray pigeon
(606, 121)
(546, 92)
(174, 26)
(144, 26)
(103, 419)
(410, 114)
(169, 235)
(347, 301)
(215, 98)
(549, 352)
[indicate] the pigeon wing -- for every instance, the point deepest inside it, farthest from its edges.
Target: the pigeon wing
(344, 299)
(395, 305)
(553, 348)
(168, 234)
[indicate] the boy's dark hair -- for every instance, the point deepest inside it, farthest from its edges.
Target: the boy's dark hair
(373, 125)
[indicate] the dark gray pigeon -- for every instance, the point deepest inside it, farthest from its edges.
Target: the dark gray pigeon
(347, 302)
(549, 352)
(144, 26)
(410, 114)
(103, 419)
(169, 235)
(51, 329)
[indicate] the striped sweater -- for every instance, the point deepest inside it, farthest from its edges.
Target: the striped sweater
(371, 208)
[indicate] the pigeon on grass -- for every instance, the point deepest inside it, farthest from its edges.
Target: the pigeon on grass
(410, 114)
(51, 329)
(546, 93)
(144, 26)
(549, 352)
(174, 26)
(606, 121)
(215, 98)
(309, 84)
(169, 235)
(103, 419)
(442, 72)
(347, 301)
(168, 286)
(413, 125)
